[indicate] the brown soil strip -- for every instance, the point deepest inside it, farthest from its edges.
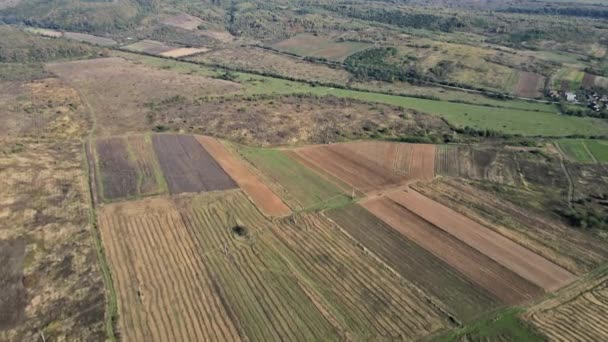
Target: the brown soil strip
(522, 261)
(485, 272)
(266, 200)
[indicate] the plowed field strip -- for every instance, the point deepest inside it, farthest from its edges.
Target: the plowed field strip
(261, 195)
(459, 295)
(527, 264)
(150, 178)
(502, 283)
(187, 166)
(118, 174)
(337, 162)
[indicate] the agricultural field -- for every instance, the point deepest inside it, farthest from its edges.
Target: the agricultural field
(529, 85)
(183, 21)
(576, 312)
(374, 166)
(269, 62)
(187, 166)
(50, 280)
(159, 48)
(89, 38)
(230, 255)
(568, 79)
(584, 150)
(128, 167)
(321, 47)
(300, 187)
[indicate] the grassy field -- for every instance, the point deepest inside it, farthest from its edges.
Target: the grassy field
(301, 187)
(502, 326)
(585, 150)
(511, 121)
(575, 150)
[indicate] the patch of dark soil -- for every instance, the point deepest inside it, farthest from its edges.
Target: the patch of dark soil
(12, 292)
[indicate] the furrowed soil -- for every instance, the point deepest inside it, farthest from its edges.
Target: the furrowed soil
(506, 286)
(577, 312)
(187, 166)
(415, 161)
(117, 91)
(520, 260)
(529, 84)
(118, 173)
(50, 282)
(570, 248)
(266, 200)
(212, 267)
(362, 173)
(440, 281)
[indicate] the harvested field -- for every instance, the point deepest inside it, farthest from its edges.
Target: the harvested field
(529, 84)
(184, 272)
(506, 286)
(261, 60)
(187, 166)
(373, 166)
(182, 52)
(117, 172)
(288, 120)
(50, 279)
(534, 229)
(298, 186)
(364, 300)
(89, 38)
(415, 161)
(445, 285)
(184, 21)
(149, 46)
(311, 45)
(576, 313)
(117, 90)
(266, 200)
(520, 260)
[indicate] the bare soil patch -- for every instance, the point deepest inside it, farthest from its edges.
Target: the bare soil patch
(529, 84)
(266, 200)
(187, 166)
(89, 38)
(520, 260)
(118, 174)
(117, 91)
(505, 285)
(588, 81)
(12, 292)
(182, 52)
(149, 46)
(289, 120)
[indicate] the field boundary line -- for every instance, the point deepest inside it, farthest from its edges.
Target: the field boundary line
(111, 311)
(589, 151)
(563, 166)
